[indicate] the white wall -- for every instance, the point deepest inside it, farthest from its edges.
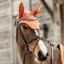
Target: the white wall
(16, 6)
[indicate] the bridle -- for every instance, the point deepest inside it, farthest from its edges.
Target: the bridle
(18, 28)
(26, 49)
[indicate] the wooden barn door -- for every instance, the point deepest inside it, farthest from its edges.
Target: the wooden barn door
(7, 44)
(62, 22)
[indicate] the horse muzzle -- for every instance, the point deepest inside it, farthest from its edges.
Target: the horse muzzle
(41, 57)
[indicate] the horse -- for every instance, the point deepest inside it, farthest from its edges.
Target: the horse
(32, 48)
(30, 44)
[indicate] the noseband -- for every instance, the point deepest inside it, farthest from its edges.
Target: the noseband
(18, 28)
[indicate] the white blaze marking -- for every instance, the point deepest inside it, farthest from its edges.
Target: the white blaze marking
(42, 47)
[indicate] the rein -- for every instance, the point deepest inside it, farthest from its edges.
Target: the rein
(26, 51)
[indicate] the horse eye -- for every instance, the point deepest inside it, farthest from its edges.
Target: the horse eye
(25, 27)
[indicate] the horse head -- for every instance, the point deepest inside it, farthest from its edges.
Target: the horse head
(28, 37)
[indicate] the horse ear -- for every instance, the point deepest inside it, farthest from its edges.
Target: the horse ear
(35, 11)
(21, 10)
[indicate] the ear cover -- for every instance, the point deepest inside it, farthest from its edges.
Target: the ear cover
(21, 10)
(35, 11)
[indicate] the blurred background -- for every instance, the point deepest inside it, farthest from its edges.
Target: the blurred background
(51, 17)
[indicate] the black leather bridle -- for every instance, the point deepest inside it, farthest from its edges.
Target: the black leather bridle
(18, 28)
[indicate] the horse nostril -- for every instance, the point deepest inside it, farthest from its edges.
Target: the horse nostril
(39, 54)
(47, 54)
